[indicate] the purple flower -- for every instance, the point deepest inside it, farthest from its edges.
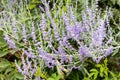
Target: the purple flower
(24, 34)
(99, 34)
(64, 59)
(10, 42)
(66, 43)
(50, 63)
(109, 51)
(43, 23)
(42, 52)
(66, 20)
(46, 34)
(61, 50)
(15, 30)
(98, 59)
(50, 60)
(70, 58)
(72, 16)
(28, 53)
(84, 52)
(75, 30)
(56, 34)
(109, 41)
(86, 22)
(27, 68)
(18, 67)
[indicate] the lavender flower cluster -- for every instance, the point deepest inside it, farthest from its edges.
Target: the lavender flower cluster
(78, 41)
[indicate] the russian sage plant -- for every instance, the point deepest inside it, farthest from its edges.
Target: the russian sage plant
(56, 40)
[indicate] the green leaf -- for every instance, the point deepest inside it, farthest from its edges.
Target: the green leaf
(105, 62)
(1, 32)
(9, 69)
(19, 76)
(113, 75)
(2, 69)
(41, 74)
(54, 75)
(3, 53)
(101, 71)
(3, 43)
(60, 72)
(68, 2)
(95, 75)
(10, 76)
(98, 65)
(106, 72)
(50, 79)
(93, 70)
(2, 76)
(115, 52)
(4, 63)
(86, 78)
(113, 1)
(118, 2)
(35, 1)
(32, 6)
(91, 74)
(58, 77)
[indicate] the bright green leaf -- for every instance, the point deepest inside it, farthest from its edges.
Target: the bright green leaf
(91, 74)
(54, 75)
(95, 75)
(58, 77)
(50, 79)
(101, 71)
(93, 70)
(98, 65)
(32, 6)
(41, 74)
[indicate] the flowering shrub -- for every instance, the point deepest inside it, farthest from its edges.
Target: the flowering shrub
(50, 40)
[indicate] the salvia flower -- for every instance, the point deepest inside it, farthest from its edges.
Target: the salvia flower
(50, 60)
(53, 24)
(66, 19)
(84, 52)
(61, 50)
(18, 67)
(109, 51)
(24, 34)
(28, 53)
(99, 34)
(74, 31)
(26, 69)
(10, 42)
(98, 59)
